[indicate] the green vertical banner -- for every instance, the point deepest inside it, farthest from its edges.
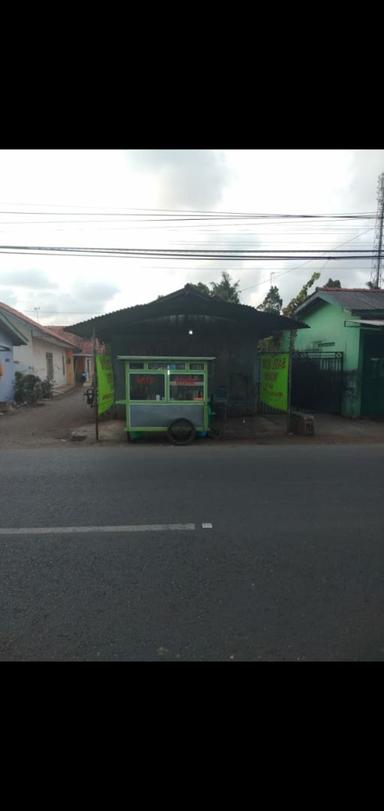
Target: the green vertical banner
(105, 387)
(274, 380)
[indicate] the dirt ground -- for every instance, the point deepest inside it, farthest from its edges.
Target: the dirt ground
(46, 424)
(329, 428)
(51, 424)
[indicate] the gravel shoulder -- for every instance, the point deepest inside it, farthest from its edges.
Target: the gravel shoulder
(45, 425)
(51, 425)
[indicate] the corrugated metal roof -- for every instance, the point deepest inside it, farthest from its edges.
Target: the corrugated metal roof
(356, 299)
(353, 299)
(187, 301)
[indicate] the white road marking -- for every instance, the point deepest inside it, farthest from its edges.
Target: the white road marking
(207, 526)
(75, 530)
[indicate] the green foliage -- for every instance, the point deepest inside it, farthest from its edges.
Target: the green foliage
(333, 283)
(29, 388)
(273, 343)
(272, 302)
(301, 296)
(203, 288)
(225, 289)
(47, 388)
(372, 286)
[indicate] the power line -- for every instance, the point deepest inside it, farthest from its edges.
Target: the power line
(284, 272)
(188, 252)
(197, 257)
(181, 217)
(146, 210)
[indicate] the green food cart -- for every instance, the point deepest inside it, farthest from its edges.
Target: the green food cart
(166, 394)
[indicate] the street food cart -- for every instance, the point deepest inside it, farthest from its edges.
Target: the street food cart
(166, 394)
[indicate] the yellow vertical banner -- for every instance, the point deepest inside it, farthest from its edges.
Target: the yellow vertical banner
(274, 380)
(105, 386)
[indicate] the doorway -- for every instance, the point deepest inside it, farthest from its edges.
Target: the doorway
(49, 359)
(372, 389)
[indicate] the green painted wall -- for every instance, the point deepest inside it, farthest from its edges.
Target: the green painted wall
(327, 333)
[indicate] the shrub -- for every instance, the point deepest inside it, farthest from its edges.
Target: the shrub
(28, 388)
(47, 388)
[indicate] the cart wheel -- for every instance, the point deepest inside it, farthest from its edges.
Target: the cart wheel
(181, 432)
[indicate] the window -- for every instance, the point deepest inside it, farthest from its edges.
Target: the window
(146, 387)
(136, 364)
(186, 387)
(156, 364)
(63, 360)
(196, 365)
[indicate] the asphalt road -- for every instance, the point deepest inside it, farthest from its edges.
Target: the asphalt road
(291, 569)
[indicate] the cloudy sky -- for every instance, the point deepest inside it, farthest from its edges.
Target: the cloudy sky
(131, 199)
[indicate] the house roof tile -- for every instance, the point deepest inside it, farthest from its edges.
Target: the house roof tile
(44, 330)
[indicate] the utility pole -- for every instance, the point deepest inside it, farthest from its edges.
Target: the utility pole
(376, 275)
(36, 309)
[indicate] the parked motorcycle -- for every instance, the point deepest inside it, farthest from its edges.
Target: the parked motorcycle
(90, 395)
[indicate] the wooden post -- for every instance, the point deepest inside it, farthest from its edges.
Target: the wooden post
(95, 386)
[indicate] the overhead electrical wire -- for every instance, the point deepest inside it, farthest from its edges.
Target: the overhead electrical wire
(195, 254)
(200, 215)
(303, 264)
(145, 211)
(188, 216)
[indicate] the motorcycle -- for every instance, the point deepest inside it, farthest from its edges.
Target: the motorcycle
(90, 395)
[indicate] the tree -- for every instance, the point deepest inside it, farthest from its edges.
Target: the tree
(203, 288)
(225, 289)
(301, 296)
(333, 283)
(272, 302)
(373, 286)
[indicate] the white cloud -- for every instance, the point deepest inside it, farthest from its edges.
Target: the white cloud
(94, 181)
(188, 178)
(26, 278)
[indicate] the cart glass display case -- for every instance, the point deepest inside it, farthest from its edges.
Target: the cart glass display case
(168, 394)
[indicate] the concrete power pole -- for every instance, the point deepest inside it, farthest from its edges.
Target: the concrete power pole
(376, 275)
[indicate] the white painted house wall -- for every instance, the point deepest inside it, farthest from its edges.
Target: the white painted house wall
(32, 358)
(40, 349)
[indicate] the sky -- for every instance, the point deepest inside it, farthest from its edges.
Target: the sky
(131, 199)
